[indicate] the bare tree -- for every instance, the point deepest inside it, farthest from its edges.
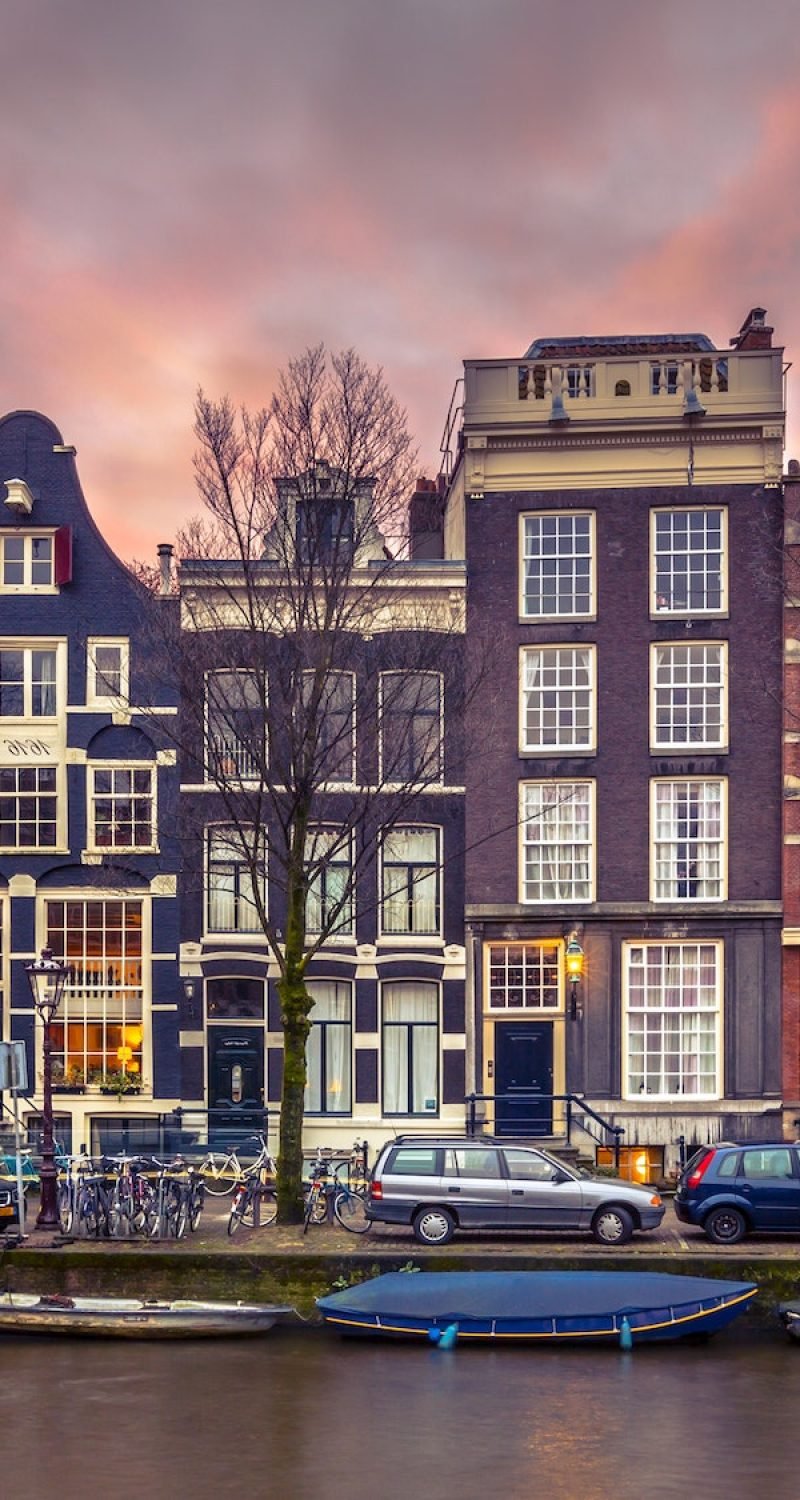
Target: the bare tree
(301, 618)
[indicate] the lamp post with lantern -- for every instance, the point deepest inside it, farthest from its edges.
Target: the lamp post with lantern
(47, 977)
(574, 964)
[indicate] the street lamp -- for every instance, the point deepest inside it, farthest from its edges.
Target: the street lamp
(574, 962)
(47, 977)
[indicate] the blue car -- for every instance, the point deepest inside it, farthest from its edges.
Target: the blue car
(731, 1190)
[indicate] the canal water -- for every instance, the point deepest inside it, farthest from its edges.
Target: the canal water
(306, 1416)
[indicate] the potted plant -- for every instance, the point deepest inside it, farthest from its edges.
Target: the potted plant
(68, 1080)
(120, 1084)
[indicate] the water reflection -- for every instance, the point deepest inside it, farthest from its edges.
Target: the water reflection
(298, 1416)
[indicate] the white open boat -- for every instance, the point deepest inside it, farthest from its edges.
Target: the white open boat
(134, 1317)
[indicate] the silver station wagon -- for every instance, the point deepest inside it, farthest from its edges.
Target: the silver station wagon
(439, 1186)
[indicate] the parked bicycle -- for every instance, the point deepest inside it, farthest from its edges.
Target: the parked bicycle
(328, 1198)
(255, 1202)
(222, 1171)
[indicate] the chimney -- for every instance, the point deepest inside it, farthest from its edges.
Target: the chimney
(426, 521)
(165, 550)
(755, 332)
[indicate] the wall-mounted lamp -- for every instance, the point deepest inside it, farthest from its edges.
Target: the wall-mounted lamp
(190, 983)
(574, 966)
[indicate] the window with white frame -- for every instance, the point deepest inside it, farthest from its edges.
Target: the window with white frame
(28, 807)
(557, 565)
(688, 840)
(558, 695)
(328, 706)
(329, 1050)
(107, 672)
(28, 682)
(410, 1048)
(235, 724)
(689, 695)
(235, 867)
(688, 564)
(99, 1029)
(556, 819)
(410, 866)
(411, 727)
(523, 976)
(26, 561)
(673, 1019)
(122, 807)
(329, 870)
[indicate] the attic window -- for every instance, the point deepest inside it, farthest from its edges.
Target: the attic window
(26, 562)
(622, 388)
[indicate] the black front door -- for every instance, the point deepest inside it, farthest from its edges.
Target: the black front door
(235, 1077)
(523, 1077)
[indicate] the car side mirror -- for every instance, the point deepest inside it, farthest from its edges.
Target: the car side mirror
(559, 1176)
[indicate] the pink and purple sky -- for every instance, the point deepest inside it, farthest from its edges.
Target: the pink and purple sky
(192, 193)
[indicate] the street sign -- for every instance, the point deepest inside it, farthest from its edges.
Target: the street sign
(13, 1066)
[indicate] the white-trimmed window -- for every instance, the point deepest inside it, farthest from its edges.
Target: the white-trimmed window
(689, 692)
(523, 976)
(556, 828)
(558, 698)
(29, 807)
(122, 807)
(99, 1028)
(235, 724)
(329, 871)
(557, 576)
(673, 1020)
(688, 836)
(28, 682)
(410, 872)
(411, 727)
(232, 856)
(107, 672)
(410, 1048)
(27, 562)
(334, 719)
(688, 561)
(329, 1049)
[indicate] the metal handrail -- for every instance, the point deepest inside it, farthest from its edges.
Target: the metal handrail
(614, 1132)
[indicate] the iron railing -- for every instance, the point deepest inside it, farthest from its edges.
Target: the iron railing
(522, 1125)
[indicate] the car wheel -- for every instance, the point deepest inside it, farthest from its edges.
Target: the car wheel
(725, 1226)
(434, 1226)
(612, 1226)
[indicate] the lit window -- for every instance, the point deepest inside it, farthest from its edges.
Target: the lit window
(26, 562)
(558, 698)
(107, 672)
(688, 561)
(557, 565)
(410, 874)
(329, 1050)
(410, 1049)
(329, 873)
(523, 976)
(689, 696)
(28, 807)
(411, 727)
(688, 843)
(27, 683)
(556, 830)
(122, 807)
(99, 1028)
(235, 857)
(674, 995)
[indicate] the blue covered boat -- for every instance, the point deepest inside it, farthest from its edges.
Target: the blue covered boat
(623, 1307)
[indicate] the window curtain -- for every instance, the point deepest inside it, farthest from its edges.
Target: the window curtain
(410, 1048)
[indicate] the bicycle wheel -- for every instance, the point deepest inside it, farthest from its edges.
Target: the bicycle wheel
(220, 1173)
(66, 1207)
(316, 1210)
(197, 1193)
(121, 1210)
(176, 1211)
(88, 1212)
(350, 1211)
(241, 1208)
(268, 1208)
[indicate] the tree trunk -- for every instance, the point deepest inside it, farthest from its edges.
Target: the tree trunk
(295, 1005)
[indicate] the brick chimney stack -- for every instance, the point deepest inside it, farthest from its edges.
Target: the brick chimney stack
(427, 520)
(755, 332)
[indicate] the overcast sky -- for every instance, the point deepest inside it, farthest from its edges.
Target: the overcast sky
(193, 192)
